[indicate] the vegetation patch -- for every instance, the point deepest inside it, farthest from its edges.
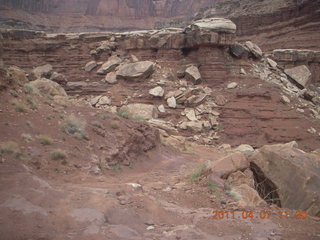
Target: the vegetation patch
(114, 125)
(124, 114)
(75, 126)
(10, 148)
(58, 154)
(197, 173)
(45, 140)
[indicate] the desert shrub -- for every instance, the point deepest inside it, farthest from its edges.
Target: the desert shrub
(197, 173)
(58, 154)
(10, 148)
(13, 93)
(124, 114)
(31, 103)
(26, 137)
(19, 107)
(114, 125)
(75, 126)
(45, 140)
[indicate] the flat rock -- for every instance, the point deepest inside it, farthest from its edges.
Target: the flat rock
(254, 49)
(90, 66)
(220, 25)
(157, 91)
(301, 75)
(237, 50)
(111, 78)
(109, 65)
(232, 85)
(139, 110)
(137, 70)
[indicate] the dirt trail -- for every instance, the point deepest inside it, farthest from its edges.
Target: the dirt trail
(165, 206)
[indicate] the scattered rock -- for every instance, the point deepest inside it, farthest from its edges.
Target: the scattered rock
(192, 73)
(312, 130)
(194, 126)
(44, 71)
(157, 91)
(161, 109)
(301, 75)
(139, 110)
(150, 228)
(242, 71)
(172, 102)
(272, 63)
(90, 66)
(137, 70)
(254, 49)
(195, 100)
(191, 115)
(47, 87)
(285, 99)
(111, 78)
(110, 65)
(220, 100)
(232, 85)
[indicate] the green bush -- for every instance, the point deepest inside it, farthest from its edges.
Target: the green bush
(58, 154)
(75, 126)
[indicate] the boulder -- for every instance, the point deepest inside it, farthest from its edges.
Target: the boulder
(245, 148)
(247, 196)
(109, 65)
(224, 166)
(47, 87)
(90, 66)
(237, 50)
(111, 78)
(161, 109)
(139, 110)
(190, 114)
(301, 75)
(17, 75)
(172, 103)
(157, 92)
(137, 70)
(220, 25)
(294, 174)
(44, 71)
(192, 73)
(254, 49)
(58, 78)
(238, 178)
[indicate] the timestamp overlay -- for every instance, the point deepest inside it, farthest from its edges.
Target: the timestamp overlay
(260, 214)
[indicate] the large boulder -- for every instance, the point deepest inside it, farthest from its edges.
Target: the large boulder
(58, 78)
(295, 175)
(44, 71)
(234, 162)
(220, 25)
(254, 49)
(109, 65)
(139, 110)
(137, 70)
(301, 75)
(47, 87)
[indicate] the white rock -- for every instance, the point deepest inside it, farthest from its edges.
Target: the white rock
(172, 103)
(157, 91)
(242, 71)
(90, 65)
(285, 99)
(232, 85)
(161, 109)
(272, 63)
(190, 114)
(150, 228)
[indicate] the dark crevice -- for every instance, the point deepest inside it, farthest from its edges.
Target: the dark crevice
(267, 190)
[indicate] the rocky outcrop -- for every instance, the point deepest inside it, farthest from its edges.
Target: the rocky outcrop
(295, 176)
